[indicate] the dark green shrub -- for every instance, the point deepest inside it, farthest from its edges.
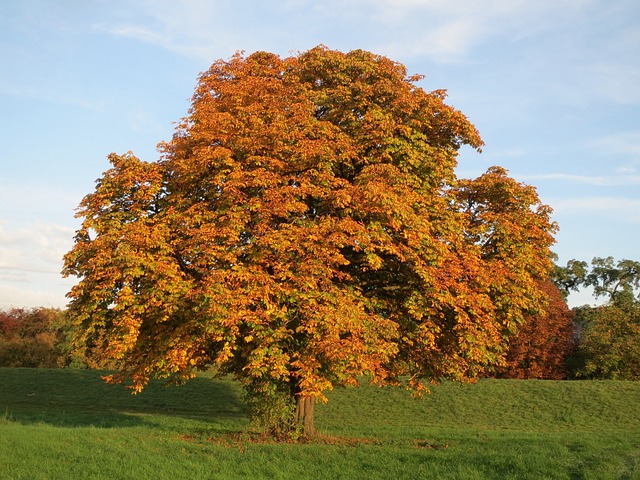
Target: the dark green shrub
(609, 346)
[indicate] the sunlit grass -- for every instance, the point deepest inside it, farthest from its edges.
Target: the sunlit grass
(60, 424)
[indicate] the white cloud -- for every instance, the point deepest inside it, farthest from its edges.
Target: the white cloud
(44, 202)
(37, 248)
(620, 209)
(48, 94)
(445, 43)
(439, 29)
(619, 154)
(599, 180)
(451, 31)
(617, 81)
(626, 170)
(621, 143)
(12, 296)
(140, 32)
(192, 28)
(401, 10)
(30, 264)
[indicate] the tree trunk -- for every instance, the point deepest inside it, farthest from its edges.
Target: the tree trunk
(304, 414)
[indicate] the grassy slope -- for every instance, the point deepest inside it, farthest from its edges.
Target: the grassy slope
(59, 424)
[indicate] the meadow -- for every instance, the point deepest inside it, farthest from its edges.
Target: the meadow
(61, 424)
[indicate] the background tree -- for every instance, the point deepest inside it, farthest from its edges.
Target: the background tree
(544, 342)
(33, 338)
(571, 277)
(616, 281)
(610, 341)
(304, 227)
(608, 335)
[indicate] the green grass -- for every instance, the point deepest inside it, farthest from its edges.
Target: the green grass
(61, 424)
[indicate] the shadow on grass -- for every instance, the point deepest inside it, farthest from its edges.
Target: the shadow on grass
(75, 398)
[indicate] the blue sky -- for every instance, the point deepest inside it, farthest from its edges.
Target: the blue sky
(552, 85)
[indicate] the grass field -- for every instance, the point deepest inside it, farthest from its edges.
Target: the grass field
(68, 424)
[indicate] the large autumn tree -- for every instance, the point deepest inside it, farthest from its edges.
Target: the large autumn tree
(304, 227)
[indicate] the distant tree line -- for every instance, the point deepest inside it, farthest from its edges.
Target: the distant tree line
(34, 338)
(586, 342)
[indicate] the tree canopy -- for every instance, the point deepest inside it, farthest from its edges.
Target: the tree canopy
(305, 227)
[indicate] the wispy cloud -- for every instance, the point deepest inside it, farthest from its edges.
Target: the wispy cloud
(574, 70)
(46, 198)
(31, 256)
(599, 180)
(194, 28)
(453, 30)
(445, 43)
(624, 210)
(36, 248)
(22, 296)
(50, 95)
(617, 81)
(621, 143)
(34, 237)
(619, 153)
(444, 30)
